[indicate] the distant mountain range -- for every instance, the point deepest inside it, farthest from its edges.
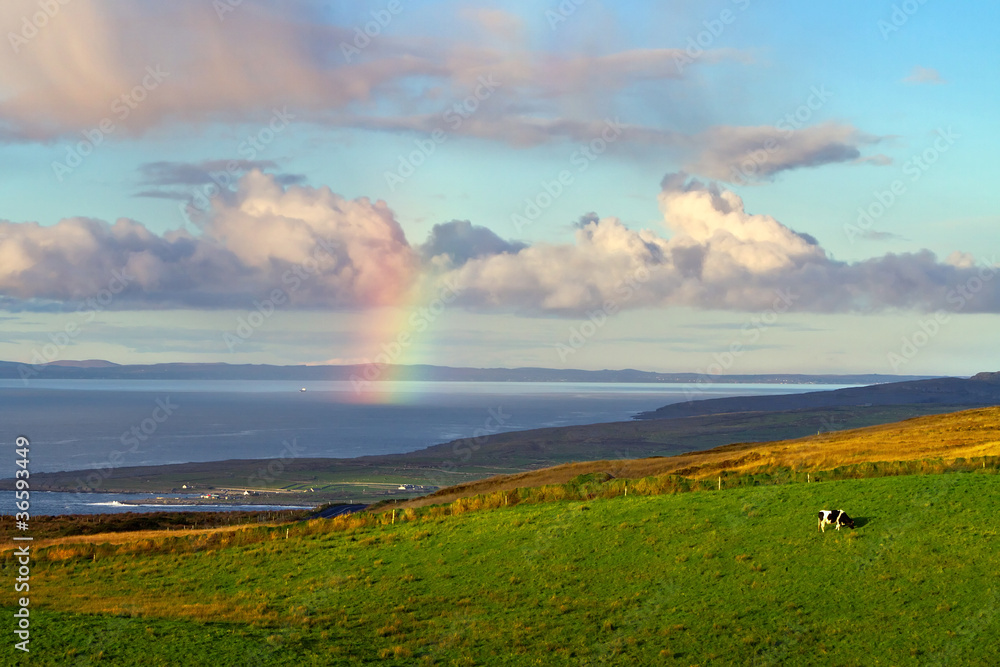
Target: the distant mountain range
(98, 369)
(980, 390)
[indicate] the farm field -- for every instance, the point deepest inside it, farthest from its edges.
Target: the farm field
(740, 576)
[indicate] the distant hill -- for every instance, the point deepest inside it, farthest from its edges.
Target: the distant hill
(965, 435)
(84, 363)
(95, 369)
(475, 458)
(982, 389)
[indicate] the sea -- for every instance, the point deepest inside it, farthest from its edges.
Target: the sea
(99, 425)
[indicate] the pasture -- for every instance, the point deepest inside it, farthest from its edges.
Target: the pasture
(739, 576)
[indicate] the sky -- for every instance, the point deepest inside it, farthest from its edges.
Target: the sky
(713, 187)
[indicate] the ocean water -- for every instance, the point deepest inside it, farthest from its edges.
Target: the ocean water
(104, 424)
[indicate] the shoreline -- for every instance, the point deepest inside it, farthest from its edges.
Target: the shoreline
(215, 502)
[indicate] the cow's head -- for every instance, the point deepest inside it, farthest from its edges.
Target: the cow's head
(847, 521)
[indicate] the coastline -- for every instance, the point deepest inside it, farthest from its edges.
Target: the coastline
(251, 503)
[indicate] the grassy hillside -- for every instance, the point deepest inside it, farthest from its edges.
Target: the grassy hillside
(369, 478)
(970, 434)
(713, 578)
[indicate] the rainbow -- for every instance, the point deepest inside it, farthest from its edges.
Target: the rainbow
(390, 337)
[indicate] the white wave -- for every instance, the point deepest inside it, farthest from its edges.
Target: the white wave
(115, 503)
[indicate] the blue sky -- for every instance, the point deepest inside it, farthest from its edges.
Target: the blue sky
(826, 109)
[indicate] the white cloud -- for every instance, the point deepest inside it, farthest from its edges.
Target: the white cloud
(747, 154)
(68, 75)
(318, 247)
(72, 76)
(718, 256)
(924, 75)
(327, 251)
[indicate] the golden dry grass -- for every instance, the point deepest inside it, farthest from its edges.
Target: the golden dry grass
(129, 537)
(966, 434)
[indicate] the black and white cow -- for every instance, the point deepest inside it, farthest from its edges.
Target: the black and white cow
(836, 518)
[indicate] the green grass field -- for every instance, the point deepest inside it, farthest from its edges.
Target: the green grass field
(734, 577)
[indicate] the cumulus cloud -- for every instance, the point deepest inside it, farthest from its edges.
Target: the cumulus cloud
(319, 248)
(326, 251)
(718, 256)
(78, 257)
(270, 229)
(458, 241)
